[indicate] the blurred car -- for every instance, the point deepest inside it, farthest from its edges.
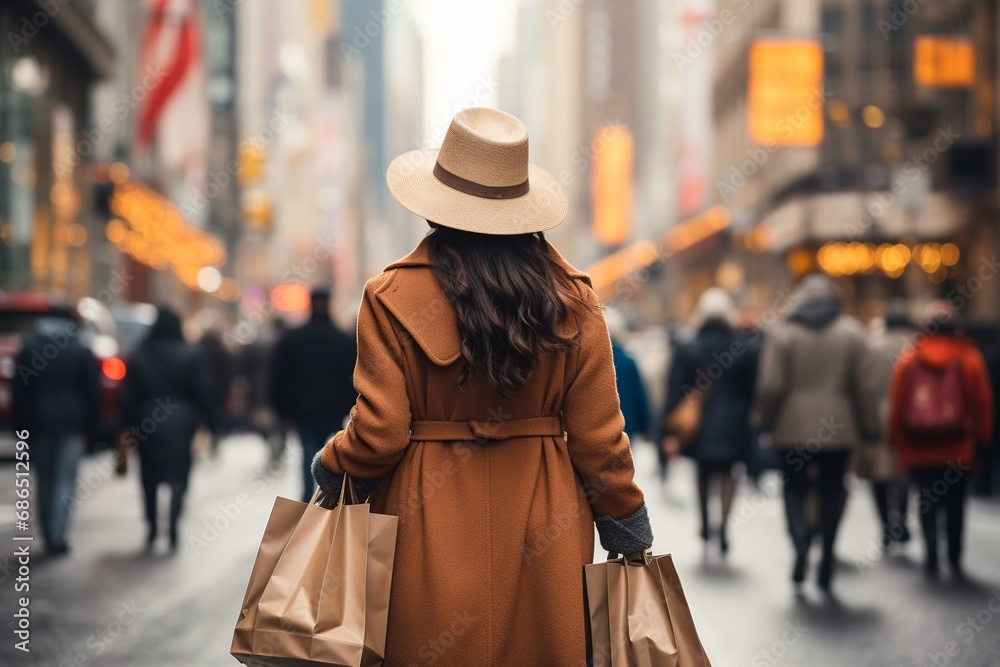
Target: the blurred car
(20, 313)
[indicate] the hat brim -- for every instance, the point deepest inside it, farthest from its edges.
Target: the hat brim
(412, 183)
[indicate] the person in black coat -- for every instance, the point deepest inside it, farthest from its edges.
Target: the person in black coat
(723, 366)
(221, 369)
(56, 398)
(312, 383)
(166, 394)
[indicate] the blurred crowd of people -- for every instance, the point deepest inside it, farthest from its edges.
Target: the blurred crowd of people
(907, 404)
(299, 378)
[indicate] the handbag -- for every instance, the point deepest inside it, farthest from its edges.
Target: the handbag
(684, 421)
(639, 617)
(319, 588)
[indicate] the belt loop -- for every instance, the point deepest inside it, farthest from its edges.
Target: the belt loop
(479, 430)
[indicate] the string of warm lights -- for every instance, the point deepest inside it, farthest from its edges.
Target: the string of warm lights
(149, 228)
(841, 258)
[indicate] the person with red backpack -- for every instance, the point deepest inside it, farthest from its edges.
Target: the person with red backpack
(940, 409)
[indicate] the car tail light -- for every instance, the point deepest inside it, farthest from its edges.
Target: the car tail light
(113, 368)
(6, 368)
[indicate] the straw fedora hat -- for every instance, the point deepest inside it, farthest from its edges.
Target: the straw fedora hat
(479, 180)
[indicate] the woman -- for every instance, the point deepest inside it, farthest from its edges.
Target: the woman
(487, 395)
(723, 369)
(165, 394)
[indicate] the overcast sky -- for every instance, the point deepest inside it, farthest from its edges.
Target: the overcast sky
(462, 43)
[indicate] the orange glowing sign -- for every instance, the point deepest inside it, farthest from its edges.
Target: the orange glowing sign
(944, 62)
(611, 184)
(785, 98)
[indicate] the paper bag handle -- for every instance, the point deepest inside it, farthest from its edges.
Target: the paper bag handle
(646, 556)
(321, 496)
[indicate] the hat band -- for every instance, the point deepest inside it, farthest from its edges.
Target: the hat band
(478, 189)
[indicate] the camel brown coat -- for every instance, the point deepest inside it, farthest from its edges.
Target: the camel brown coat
(496, 502)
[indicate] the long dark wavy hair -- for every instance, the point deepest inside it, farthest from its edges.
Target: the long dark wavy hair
(510, 297)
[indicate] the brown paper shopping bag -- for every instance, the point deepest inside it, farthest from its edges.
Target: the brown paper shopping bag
(319, 589)
(639, 616)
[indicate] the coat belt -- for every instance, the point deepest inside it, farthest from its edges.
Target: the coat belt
(490, 430)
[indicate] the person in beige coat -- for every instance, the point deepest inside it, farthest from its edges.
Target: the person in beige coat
(809, 396)
(487, 414)
(876, 459)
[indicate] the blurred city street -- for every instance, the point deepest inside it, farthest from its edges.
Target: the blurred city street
(757, 239)
(110, 604)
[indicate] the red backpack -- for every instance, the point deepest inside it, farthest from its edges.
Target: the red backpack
(934, 403)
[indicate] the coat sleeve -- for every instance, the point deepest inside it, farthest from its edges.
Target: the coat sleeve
(21, 389)
(641, 399)
(980, 394)
(897, 435)
(679, 375)
(771, 381)
(864, 402)
(90, 390)
(278, 381)
(598, 446)
(379, 430)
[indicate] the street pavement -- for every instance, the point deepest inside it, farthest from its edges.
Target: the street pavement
(110, 604)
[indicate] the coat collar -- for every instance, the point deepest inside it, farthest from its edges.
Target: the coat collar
(420, 256)
(417, 301)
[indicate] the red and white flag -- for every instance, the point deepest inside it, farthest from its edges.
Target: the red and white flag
(174, 112)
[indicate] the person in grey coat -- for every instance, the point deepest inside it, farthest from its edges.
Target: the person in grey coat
(809, 401)
(877, 458)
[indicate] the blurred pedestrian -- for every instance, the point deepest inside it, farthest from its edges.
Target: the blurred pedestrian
(254, 362)
(809, 401)
(941, 408)
(877, 459)
(166, 394)
(720, 367)
(221, 371)
(311, 380)
(631, 390)
(56, 397)
(487, 390)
